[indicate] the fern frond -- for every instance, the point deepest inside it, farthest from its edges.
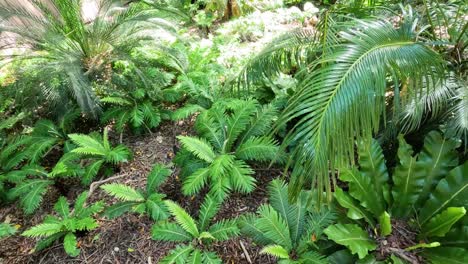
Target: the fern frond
(170, 232)
(274, 226)
(30, 194)
(183, 218)
(240, 176)
(199, 147)
(208, 210)
(70, 245)
(178, 255)
(276, 251)
(330, 104)
(43, 230)
(224, 229)
(156, 177)
(123, 192)
(258, 148)
(193, 183)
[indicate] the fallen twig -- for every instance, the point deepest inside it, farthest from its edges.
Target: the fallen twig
(247, 256)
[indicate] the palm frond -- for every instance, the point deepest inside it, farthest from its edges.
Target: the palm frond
(333, 101)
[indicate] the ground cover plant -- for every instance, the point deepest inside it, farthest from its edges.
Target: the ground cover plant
(233, 131)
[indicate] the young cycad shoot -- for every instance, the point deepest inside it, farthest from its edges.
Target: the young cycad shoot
(194, 235)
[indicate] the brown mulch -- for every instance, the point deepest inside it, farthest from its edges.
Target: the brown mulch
(127, 239)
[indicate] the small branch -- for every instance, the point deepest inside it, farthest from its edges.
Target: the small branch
(96, 184)
(247, 256)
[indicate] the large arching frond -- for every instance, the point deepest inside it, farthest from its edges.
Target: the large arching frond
(62, 41)
(343, 98)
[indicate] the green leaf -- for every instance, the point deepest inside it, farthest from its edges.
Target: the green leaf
(183, 218)
(170, 232)
(359, 187)
(440, 224)
(91, 171)
(69, 244)
(385, 224)
(351, 236)
(276, 251)
(408, 180)
(447, 255)
(156, 207)
(372, 165)
(156, 177)
(451, 191)
(6, 230)
(331, 108)
(62, 207)
(224, 229)
(274, 226)
(45, 229)
(355, 211)
(210, 258)
(195, 257)
(199, 147)
(437, 157)
(186, 111)
(123, 192)
(258, 149)
(178, 255)
(312, 257)
(119, 209)
(193, 183)
(208, 210)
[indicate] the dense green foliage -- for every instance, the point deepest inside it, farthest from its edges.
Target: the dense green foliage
(360, 107)
(66, 224)
(140, 201)
(425, 189)
(288, 230)
(231, 133)
(202, 231)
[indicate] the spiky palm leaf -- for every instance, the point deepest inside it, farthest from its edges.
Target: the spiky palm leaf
(60, 40)
(66, 225)
(333, 101)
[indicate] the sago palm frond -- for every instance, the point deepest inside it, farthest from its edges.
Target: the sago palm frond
(59, 40)
(332, 106)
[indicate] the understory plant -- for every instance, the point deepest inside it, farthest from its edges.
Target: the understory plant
(408, 212)
(194, 235)
(230, 134)
(148, 201)
(135, 110)
(6, 230)
(91, 154)
(69, 48)
(288, 231)
(66, 224)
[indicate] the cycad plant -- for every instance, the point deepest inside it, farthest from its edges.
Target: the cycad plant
(30, 184)
(195, 234)
(96, 151)
(6, 230)
(230, 134)
(288, 231)
(70, 45)
(140, 201)
(66, 224)
(346, 70)
(135, 110)
(420, 202)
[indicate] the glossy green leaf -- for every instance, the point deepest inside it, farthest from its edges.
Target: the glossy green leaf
(451, 191)
(353, 237)
(440, 224)
(408, 180)
(360, 187)
(446, 255)
(385, 224)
